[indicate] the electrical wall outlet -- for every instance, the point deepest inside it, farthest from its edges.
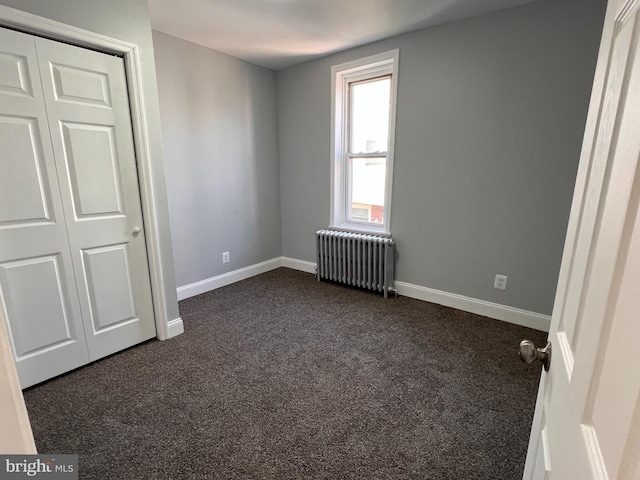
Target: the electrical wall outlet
(500, 282)
(225, 257)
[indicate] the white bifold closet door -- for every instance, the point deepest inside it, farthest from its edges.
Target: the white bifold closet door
(74, 277)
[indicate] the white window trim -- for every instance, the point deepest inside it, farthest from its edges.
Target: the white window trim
(341, 75)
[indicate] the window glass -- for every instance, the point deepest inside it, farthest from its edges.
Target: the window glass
(368, 182)
(370, 104)
(360, 213)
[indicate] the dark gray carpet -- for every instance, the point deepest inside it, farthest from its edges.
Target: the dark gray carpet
(281, 377)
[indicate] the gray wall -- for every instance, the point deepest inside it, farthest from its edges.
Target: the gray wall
(490, 118)
(126, 20)
(220, 136)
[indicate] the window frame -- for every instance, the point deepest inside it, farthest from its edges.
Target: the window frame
(368, 68)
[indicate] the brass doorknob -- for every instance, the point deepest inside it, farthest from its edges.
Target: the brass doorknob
(529, 352)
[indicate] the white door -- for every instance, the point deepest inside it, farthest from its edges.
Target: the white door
(587, 420)
(74, 279)
(37, 283)
(88, 109)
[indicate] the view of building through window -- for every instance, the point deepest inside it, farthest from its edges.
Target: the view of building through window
(369, 106)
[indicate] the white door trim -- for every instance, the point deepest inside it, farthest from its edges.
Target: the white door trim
(34, 24)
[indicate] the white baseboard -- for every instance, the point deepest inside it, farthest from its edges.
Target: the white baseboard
(218, 281)
(525, 318)
(513, 315)
(176, 327)
(301, 265)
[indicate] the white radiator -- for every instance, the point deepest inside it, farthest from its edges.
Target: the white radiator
(364, 261)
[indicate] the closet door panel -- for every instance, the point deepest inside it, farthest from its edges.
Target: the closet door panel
(23, 282)
(87, 106)
(38, 292)
(25, 193)
(93, 170)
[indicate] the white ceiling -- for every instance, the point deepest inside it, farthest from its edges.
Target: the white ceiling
(280, 33)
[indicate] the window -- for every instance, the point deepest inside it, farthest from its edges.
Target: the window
(364, 93)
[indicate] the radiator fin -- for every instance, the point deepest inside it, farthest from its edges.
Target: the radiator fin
(355, 259)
